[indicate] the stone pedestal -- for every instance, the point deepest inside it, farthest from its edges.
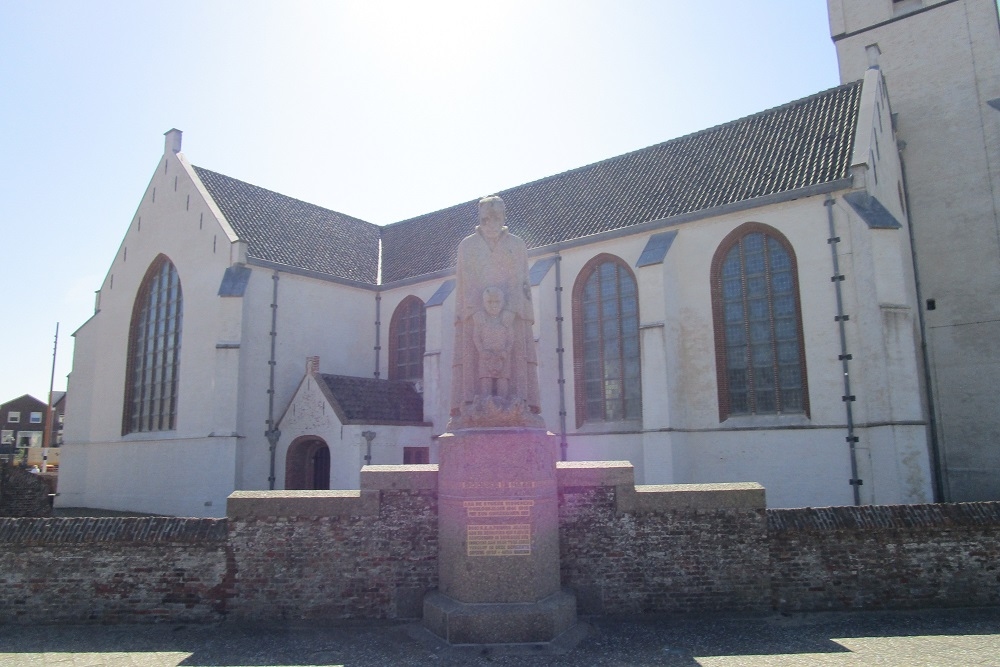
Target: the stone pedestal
(498, 539)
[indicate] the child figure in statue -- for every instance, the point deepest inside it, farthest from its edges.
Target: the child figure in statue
(494, 339)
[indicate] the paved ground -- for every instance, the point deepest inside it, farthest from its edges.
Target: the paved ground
(933, 638)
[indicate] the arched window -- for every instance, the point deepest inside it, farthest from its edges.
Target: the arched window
(407, 335)
(154, 345)
(606, 360)
(759, 351)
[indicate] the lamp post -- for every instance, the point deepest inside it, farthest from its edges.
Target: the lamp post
(47, 429)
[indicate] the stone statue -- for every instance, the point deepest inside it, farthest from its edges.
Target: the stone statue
(495, 372)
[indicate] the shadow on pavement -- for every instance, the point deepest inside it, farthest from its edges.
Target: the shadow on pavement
(661, 640)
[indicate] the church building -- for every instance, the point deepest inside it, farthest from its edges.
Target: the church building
(804, 298)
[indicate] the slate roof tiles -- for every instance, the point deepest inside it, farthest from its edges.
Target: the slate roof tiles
(288, 231)
(803, 143)
(375, 401)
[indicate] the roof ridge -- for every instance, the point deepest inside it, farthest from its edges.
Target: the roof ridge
(361, 377)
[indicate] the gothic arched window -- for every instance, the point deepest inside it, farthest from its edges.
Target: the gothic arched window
(407, 335)
(759, 349)
(606, 360)
(154, 345)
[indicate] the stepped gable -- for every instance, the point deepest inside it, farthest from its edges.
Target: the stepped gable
(361, 400)
(288, 231)
(800, 144)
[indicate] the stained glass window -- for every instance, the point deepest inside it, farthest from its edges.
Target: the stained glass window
(606, 343)
(154, 351)
(407, 337)
(759, 346)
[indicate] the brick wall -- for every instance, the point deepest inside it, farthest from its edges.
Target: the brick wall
(885, 557)
(113, 570)
(373, 553)
(23, 493)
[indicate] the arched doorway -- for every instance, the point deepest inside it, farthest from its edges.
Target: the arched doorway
(320, 464)
(307, 464)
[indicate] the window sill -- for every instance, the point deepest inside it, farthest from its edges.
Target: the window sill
(744, 421)
(601, 428)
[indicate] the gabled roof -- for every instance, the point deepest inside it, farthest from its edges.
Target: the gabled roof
(362, 400)
(288, 231)
(800, 144)
(25, 400)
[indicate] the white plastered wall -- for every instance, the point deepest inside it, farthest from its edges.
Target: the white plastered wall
(801, 460)
(190, 470)
(314, 318)
(941, 61)
(880, 296)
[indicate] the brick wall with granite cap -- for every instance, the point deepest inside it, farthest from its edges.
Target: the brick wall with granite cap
(885, 557)
(294, 555)
(337, 554)
(655, 549)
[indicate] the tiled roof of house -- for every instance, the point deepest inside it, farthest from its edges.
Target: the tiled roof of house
(375, 401)
(802, 143)
(292, 232)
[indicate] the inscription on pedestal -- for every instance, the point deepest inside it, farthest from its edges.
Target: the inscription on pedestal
(498, 508)
(498, 539)
(506, 539)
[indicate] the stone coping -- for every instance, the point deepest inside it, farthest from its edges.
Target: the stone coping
(595, 473)
(936, 516)
(400, 477)
(265, 504)
(662, 497)
(378, 478)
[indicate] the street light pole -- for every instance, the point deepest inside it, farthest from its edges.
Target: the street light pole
(47, 431)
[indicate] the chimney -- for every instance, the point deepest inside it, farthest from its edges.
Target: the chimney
(873, 52)
(312, 364)
(172, 144)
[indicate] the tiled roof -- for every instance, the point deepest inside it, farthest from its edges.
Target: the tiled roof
(292, 232)
(803, 143)
(375, 401)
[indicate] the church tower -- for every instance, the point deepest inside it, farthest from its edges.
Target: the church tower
(941, 63)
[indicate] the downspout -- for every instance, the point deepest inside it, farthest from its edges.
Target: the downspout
(272, 432)
(563, 446)
(841, 318)
(378, 311)
(938, 464)
(368, 436)
(378, 330)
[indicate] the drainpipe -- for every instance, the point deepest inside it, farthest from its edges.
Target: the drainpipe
(368, 436)
(272, 432)
(841, 318)
(563, 445)
(378, 331)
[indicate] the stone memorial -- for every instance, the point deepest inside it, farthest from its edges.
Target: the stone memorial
(498, 529)
(495, 373)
